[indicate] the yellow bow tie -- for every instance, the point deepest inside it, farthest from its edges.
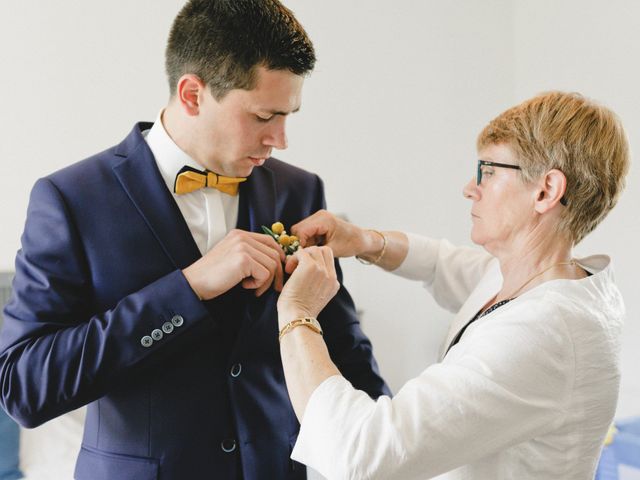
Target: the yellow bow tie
(189, 180)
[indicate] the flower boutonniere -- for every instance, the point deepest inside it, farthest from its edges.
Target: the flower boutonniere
(288, 243)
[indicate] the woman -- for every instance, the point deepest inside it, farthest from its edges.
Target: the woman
(528, 382)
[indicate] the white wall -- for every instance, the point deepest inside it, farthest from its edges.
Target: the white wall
(593, 47)
(389, 119)
(74, 77)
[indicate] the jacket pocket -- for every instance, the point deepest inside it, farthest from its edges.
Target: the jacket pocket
(95, 465)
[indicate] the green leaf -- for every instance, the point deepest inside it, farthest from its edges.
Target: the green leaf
(269, 232)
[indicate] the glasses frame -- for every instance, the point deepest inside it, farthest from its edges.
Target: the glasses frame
(492, 164)
(563, 201)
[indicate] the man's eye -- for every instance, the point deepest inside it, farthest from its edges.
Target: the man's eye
(263, 119)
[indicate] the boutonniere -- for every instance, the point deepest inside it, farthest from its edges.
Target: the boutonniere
(288, 243)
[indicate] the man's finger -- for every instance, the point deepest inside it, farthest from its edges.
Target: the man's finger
(268, 261)
(292, 264)
(259, 274)
(267, 241)
(278, 257)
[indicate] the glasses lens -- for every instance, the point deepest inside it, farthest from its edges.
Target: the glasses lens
(479, 174)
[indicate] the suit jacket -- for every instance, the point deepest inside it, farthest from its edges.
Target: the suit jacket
(99, 276)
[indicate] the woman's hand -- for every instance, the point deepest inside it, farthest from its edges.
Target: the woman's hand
(344, 238)
(348, 240)
(324, 228)
(313, 283)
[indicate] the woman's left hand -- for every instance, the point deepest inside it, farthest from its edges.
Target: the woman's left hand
(310, 287)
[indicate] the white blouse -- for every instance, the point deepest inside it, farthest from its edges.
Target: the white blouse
(528, 392)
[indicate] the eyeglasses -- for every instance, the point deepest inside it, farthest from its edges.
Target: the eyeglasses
(482, 163)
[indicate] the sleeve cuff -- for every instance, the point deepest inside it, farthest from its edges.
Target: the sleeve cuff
(313, 432)
(329, 427)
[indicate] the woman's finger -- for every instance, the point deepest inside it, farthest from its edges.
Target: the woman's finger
(329, 262)
(312, 230)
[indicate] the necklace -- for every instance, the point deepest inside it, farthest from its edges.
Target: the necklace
(570, 262)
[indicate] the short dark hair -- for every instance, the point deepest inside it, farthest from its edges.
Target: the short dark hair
(224, 41)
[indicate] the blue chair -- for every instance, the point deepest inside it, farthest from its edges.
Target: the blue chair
(9, 430)
(9, 448)
(622, 454)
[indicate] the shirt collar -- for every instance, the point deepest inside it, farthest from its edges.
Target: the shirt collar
(169, 157)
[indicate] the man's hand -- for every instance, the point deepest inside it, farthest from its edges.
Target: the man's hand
(251, 258)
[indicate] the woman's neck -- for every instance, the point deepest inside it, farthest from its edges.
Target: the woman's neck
(528, 263)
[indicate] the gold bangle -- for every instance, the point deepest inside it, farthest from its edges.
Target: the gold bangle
(308, 322)
(382, 252)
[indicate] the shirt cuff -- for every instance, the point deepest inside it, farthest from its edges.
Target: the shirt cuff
(314, 442)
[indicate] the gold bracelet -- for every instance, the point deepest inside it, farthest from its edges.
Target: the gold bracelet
(382, 252)
(308, 322)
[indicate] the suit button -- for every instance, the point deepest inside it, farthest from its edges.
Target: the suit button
(157, 334)
(146, 341)
(177, 320)
(167, 327)
(235, 370)
(228, 445)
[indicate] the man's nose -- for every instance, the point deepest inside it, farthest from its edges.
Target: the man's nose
(277, 135)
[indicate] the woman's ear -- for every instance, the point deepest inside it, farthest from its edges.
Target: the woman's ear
(552, 188)
(189, 89)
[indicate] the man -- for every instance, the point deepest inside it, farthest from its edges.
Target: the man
(135, 294)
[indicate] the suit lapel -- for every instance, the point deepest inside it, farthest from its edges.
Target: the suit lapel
(139, 176)
(257, 205)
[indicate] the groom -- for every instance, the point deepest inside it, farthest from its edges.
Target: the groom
(142, 288)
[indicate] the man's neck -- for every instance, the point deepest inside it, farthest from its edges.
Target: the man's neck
(178, 130)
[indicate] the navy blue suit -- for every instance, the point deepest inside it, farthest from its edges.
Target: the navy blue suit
(100, 269)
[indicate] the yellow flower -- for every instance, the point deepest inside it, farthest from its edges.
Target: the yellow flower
(284, 240)
(277, 228)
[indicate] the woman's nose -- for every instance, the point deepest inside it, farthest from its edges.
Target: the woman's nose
(470, 190)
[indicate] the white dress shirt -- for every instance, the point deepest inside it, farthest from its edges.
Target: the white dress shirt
(209, 213)
(528, 392)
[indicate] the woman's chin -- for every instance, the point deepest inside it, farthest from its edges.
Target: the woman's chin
(476, 237)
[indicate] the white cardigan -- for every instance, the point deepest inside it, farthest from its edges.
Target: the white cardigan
(527, 393)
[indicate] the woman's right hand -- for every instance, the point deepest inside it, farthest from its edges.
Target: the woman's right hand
(324, 228)
(313, 283)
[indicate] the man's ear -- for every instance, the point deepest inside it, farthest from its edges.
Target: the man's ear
(551, 189)
(189, 91)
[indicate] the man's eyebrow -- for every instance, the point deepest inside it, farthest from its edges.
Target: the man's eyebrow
(279, 112)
